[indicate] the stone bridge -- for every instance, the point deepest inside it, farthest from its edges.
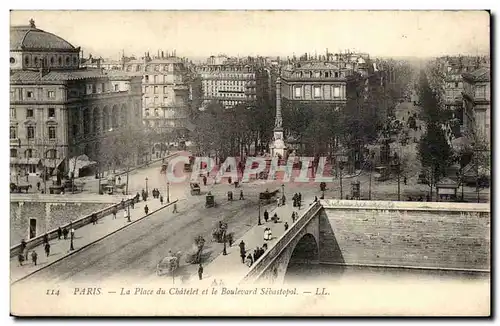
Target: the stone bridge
(422, 235)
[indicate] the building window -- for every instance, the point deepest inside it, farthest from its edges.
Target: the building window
(30, 131)
(146, 112)
(156, 89)
(103, 87)
(336, 92)
(75, 130)
(36, 61)
(52, 113)
(51, 153)
(116, 88)
(146, 79)
(52, 132)
(13, 152)
(165, 100)
(59, 60)
(74, 60)
(13, 132)
(94, 89)
(29, 94)
(28, 153)
(26, 60)
(298, 92)
(155, 100)
(52, 61)
(165, 89)
(67, 61)
(317, 91)
(336, 75)
(51, 94)
(29, 113)
(157, 114)
(12, 113)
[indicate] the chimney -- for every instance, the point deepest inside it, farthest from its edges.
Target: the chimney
(162, 55)
(99, 63)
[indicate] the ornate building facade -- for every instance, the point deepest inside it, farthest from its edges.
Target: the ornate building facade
(58, 110)
(166, 92)
(477, 105)
(233, 84)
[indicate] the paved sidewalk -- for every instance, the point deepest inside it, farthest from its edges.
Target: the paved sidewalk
(229, 268)
(84, 236)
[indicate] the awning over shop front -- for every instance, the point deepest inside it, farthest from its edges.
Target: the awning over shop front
(78, 163)
(29, 161)
(52, 162)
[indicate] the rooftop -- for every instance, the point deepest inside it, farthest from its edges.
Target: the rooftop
(481, 74)
(35, 76)
(28, 37)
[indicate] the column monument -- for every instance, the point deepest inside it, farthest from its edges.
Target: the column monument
(278, 144)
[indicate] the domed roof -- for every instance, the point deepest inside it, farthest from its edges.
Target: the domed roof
(29, 37)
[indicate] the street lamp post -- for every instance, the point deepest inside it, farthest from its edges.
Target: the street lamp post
(168, 192)
(71, 247)
(341, 167)
(283, 194)
(147, 192)
(370, 184)
(399, 179)
(128, 213)
(259, 222)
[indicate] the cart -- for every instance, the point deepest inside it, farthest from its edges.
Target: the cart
(169, 264)
(195, 189)
(209, 200)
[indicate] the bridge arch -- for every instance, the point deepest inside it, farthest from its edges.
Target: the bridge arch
(305, 251)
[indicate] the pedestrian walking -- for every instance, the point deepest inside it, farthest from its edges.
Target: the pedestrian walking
(65, 233)
(275, 218)
(266, 215)
(20, 259)
(132, 203)
(114, 212)
(249, 260)
(94, 219)
(299, 203)
(23, 245)
(59, 233)
(38, 185)
(293, 217)
(255, 255)
(230, 240)
(146, 209)
(269, 234)
(241, 195)
(278, 202)
(204, 180)
(47, 249)
(242, 255)
(286, 226)
(125, 213)
(175, 208)
(266, 234)
(404, 180)
(34, 257)
(45, 238)
(161, 200)
(200, 272)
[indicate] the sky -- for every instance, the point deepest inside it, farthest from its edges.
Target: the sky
(204, 33)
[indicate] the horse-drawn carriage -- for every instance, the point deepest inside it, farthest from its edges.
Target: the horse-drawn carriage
(209, 200)
(267, 196)
(19, 188)
(195, 189)
(169, 264)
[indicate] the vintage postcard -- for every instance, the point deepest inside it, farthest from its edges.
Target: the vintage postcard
(250, 163)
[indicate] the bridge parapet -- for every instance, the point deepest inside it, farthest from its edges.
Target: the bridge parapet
(406, 205)
(263, 264)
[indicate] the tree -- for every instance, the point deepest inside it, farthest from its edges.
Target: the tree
(434, 151)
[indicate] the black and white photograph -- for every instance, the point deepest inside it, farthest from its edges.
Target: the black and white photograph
(250, 163)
